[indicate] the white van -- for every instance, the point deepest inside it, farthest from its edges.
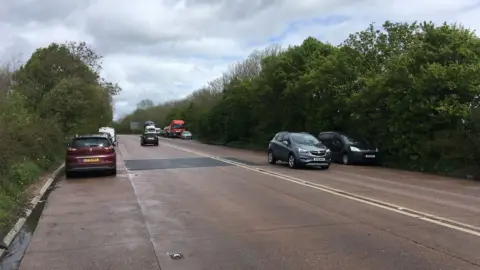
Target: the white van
(110, 131)
(150, 129)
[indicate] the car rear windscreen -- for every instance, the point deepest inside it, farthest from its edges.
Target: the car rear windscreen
(178, 126)
(90, 142)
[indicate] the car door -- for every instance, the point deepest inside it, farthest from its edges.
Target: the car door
(274, 145)
(284, 149)
(337, 147)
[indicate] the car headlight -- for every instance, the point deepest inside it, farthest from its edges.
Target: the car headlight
(376, 149)
(328, 151)
(354, 149)
(302, 150)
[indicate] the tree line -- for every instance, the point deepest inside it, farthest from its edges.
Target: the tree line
(410, 88)
(57, 93)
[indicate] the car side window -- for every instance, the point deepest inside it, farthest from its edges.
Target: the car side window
(324, 137)
(286, 137)
(279, 136)
(337, 142)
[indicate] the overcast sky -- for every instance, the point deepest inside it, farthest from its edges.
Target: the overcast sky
(165, 49)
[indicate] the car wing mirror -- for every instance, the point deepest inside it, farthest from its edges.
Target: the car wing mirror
(286, 143)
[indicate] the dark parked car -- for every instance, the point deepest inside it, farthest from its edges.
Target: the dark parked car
(149, 138)
(348, 149)
(90, 153)
(298, 149)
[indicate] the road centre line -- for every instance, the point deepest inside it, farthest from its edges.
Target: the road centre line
(438, 220)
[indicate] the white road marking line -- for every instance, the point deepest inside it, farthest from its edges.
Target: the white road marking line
(445, 222)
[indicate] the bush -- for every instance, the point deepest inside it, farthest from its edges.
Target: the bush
(57, 93)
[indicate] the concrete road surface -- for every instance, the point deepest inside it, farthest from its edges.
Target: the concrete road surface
(228, 209)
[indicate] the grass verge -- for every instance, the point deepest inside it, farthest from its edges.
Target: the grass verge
(15, 191)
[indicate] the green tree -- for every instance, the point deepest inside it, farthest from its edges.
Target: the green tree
(56, 93)
(145, 104)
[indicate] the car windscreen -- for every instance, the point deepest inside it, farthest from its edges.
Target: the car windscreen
(187, 132)
(107, 134)
(305, 139)
(90, 142)
(357, 141)
(151, 130)
(178, 126)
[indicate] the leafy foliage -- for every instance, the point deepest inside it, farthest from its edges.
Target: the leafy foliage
(409, 88)
(57, 93)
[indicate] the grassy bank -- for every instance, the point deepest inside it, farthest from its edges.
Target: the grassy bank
(15, 194)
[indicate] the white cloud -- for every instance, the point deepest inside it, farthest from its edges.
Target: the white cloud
(164, 50)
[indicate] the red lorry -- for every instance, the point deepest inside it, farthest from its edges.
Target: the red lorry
(176, 128)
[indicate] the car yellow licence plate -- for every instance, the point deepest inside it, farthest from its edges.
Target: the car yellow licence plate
(91, 160)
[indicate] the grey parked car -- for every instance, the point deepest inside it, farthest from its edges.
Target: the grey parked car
(298, 149)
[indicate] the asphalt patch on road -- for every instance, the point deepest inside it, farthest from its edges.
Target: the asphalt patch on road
(245, 162)
(176, 163)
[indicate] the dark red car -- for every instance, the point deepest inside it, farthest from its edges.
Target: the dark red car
(91, 153)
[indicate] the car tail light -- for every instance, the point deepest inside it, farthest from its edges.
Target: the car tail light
(109, 149)
(70, 149)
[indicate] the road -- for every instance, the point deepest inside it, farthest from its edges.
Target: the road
(176, 198)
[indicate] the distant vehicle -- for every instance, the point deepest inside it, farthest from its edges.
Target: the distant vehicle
(298, 149)
(109, 130)
(109, 136)
(93, 152)
(157, 130)
(150, 129)
(148, 123)
(186, 135)
(176, 128)
(149, 137)
(348, 149)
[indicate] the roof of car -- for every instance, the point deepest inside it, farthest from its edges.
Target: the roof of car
(293, 132)
(91, 136)
(335, 132)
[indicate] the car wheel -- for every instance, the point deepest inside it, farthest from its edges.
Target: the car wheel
(292, 163)
(345, 159)
(271, 157)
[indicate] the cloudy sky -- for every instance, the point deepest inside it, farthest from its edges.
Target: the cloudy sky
(165, 49)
